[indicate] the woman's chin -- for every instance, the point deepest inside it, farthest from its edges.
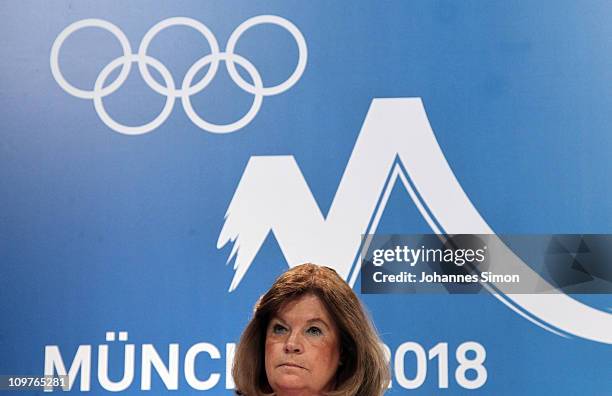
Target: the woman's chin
(289, 382)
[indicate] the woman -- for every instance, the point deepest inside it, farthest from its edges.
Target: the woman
(309, 335)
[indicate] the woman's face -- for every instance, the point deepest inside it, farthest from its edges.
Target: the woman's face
(302, 348)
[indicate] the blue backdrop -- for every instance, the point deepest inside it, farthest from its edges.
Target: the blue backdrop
(103, 231)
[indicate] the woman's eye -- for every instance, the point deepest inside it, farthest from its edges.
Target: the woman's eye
(314, 331)
(278, 329)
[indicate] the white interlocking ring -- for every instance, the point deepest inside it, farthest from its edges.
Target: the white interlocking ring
(146, 40)
(302, 51)
(257, 100)
(187, 89)
(57, 74)
(138, 130)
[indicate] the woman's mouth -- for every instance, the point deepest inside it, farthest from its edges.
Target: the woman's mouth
(288, 364)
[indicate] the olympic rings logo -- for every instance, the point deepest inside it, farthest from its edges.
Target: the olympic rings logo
(102, 89)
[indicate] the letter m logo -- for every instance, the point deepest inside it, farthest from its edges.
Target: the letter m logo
(396, 141)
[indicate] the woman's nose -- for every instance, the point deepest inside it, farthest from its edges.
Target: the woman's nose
(293, 345)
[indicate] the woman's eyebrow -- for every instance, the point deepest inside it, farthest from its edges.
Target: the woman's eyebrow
(278, 319)
(320, 320)
(309, 321)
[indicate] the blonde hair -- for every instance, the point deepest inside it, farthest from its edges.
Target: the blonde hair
(364, 370)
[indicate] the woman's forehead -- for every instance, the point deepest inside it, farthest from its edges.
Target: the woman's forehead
(305, 307)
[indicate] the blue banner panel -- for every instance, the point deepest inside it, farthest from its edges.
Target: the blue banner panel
(163, 162)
